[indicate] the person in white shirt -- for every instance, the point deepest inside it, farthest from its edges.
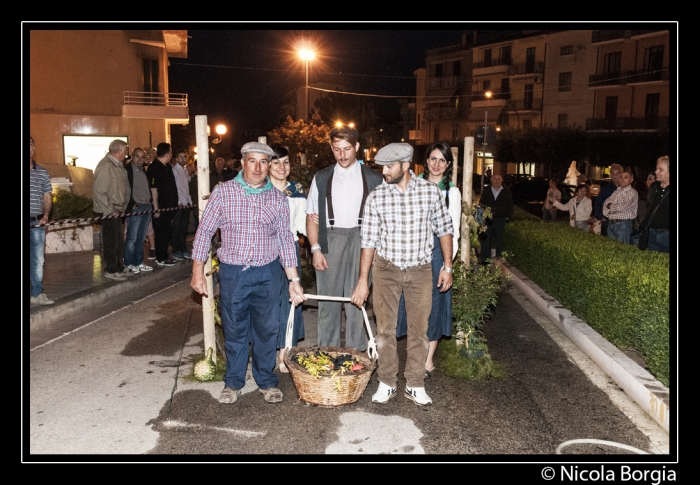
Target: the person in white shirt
(579, 208)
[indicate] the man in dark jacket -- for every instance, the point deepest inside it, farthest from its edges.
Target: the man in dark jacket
(656, 222)
(500, 200)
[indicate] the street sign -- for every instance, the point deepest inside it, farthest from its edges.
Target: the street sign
(490, 135)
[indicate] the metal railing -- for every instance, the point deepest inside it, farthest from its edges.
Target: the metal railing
(446, 82)
(155, 99)
(526, 68)
(493, 63)
(441, 113)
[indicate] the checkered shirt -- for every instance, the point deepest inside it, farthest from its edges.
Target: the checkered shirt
(254, 228)
(623, 204)
(39, 184)
(400, 225)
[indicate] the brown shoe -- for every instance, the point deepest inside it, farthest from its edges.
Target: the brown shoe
(272, 394)
(229, 395)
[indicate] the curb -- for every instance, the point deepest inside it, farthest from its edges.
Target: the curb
(650, 394)
(42, 317)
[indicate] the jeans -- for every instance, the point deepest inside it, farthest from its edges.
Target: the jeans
(37, 243)
(389, 282)
(659, 240)
(136, 227)
(248, 317)
(620, 230)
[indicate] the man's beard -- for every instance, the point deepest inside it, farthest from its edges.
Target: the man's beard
(396, 180)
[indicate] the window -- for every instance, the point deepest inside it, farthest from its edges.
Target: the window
(150, 75)
(651, 109)
(654, 58)
(457, 68)
(611, 63)
(505, 88)
(487, 58)
(562, 120)
(487, 86)
(530, 60)
(87, 150)
(610, 107)
(436, 133)
(564, 81)
(527, 124)
(505, 54)
(528, 97)
(566, 50)
(438, 70)
(455, 133)
(504, 119)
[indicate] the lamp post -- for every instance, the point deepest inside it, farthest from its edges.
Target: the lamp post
(306, 55)
(221, 131)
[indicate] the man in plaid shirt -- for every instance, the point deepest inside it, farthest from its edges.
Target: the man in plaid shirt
(255, 238)
(399, 221)
(621, 208)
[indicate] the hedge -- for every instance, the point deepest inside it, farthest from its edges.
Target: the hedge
(621, 292)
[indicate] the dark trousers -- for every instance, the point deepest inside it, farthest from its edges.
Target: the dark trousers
(181, 220)
(112, 234)
(493, 237)
(163, 230)
(250, 315)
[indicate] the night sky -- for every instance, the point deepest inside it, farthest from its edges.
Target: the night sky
(239, 77)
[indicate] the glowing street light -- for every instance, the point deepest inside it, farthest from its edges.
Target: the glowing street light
(221, 131)
(307, 55)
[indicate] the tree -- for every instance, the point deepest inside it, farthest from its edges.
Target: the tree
(302, 138)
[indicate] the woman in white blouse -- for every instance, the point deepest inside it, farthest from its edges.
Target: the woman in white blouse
(579, 208)
(280, 169)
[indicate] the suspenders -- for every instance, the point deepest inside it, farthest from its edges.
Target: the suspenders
(329, 199)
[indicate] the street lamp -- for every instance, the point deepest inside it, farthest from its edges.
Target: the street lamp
(306, 55)
(221, 131)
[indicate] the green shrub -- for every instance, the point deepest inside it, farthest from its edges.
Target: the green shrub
(621, 292)
(67, 205)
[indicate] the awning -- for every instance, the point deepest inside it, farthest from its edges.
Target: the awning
(479, 113)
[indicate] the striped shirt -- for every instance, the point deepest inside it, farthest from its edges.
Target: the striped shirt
(623, 204)
(39, 184)
(254, 228)
(400, 225)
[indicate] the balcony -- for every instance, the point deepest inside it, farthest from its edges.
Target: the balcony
(441, 113)
(608, 35)
(520, 105)
(608, 79)
(494, 62)
(447, 82)
(526, 68)
(172, 107)
(653, 123)
(648, 76)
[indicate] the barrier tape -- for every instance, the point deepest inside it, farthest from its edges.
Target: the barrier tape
(91, 220)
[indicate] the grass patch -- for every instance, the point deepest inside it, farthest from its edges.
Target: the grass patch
(220, 369)
(451, 363)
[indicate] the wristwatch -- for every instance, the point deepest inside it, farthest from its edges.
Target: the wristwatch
(449, 270)
(315, 248)
(294, 279)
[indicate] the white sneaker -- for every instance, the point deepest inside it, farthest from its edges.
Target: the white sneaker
(384, 393)
(41, 300)
(115, 276)
(133, 269)
(126, 272)
(418, 396)
(144, 267)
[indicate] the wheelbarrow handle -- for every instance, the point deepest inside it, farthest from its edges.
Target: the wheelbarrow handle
(371, 344)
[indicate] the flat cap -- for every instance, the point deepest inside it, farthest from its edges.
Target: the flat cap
(256, 147)
(394, 152)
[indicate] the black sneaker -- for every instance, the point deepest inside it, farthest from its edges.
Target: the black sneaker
(167, 262)
(152, 254)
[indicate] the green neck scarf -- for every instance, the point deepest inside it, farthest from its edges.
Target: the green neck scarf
(441, 184)
(252, 190)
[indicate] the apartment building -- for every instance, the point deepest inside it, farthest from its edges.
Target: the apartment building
(88, 87)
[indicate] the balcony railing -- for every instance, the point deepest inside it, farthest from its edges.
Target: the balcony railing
(515, 105)
(657, 123)
(155, 99)
(446, 82)
(493, 62)
(621, 78)
(441, 113)
(606, 35)
(526, 68)
(648, 76)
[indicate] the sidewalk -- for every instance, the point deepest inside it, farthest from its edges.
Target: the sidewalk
(75, 281)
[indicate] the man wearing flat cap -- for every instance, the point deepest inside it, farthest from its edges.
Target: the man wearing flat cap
(255, 238)
(334, 210)
(399, 221)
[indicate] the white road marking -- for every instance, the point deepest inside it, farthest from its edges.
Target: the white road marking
(238, 432)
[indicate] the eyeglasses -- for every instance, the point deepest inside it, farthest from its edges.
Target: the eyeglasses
(439, 160)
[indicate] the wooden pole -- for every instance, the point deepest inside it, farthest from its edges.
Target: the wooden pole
(202, 197)
(467, 172)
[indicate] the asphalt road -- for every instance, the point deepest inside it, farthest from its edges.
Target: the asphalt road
(111, 386)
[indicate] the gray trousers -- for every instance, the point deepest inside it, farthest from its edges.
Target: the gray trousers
(340, 279)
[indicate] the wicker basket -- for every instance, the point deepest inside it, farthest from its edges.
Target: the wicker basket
(322, 391)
